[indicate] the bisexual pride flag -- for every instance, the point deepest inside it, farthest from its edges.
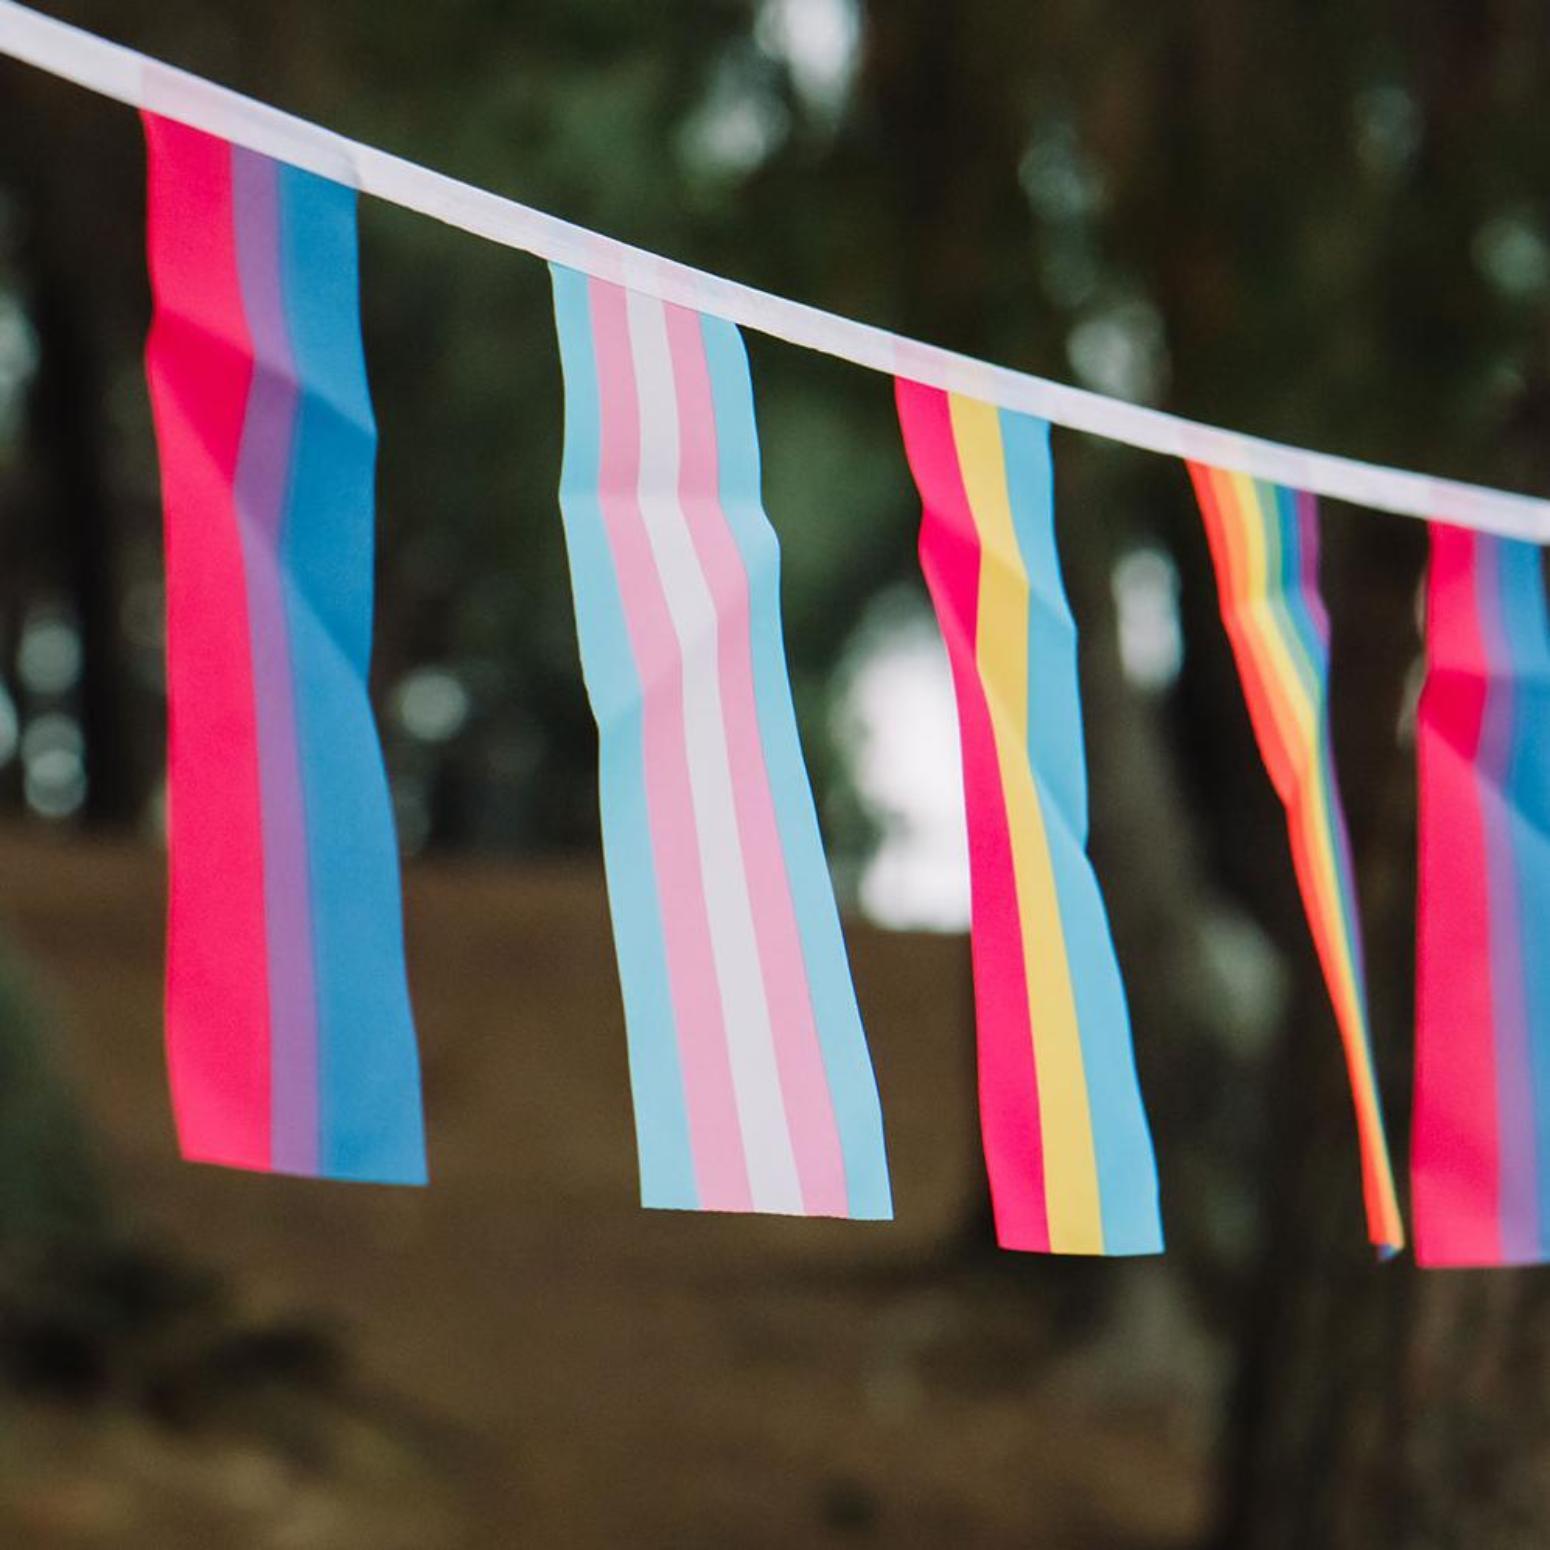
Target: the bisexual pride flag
(289, 1037)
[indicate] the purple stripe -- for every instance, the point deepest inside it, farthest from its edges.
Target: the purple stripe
(262, 488)
(1518, 1204)
(1308, 546)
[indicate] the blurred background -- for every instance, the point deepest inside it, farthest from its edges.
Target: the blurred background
(1323, 222)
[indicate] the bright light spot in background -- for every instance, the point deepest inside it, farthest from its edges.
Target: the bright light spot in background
(819, 41)
(1146, 598)
(899, 729)
(738, 127)
(1511, 252)
(18, 361)
(48, 658)
(1120, 350)
(1388, 129)
(431, 705)
(1062, 185)
(54, 772)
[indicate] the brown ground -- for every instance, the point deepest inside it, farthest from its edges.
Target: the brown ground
(533, 1360)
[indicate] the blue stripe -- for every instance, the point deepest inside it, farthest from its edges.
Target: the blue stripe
(1284, 590)
(369, 1078)
(1127, 1169)
(662, 1139)
(1314, 651)
(858, 1114)
(1526, 670)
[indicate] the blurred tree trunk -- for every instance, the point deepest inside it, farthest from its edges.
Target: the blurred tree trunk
(76, 532)
(66, 426)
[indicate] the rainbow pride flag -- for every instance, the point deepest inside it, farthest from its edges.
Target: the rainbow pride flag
(1066, 1142)
(752, 1083)
(1480, 1146)
(1264, 541)
(290, 1042)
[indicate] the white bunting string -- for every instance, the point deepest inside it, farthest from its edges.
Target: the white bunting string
(141, 82)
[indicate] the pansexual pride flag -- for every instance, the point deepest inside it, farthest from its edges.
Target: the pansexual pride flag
(1066, 1142)
(1264, 541)
(752, 1083)
(1480, 1151)
(289, 1036)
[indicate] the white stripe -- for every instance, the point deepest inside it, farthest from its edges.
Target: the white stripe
(772, 1172)
(129, 77)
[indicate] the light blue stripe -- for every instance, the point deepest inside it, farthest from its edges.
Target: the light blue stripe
(1127, 1169)
(369, 1076)
(845, 1056)
(1526, 635)
(613, 685)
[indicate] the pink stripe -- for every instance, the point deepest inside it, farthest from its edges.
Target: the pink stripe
(715, 1134)
(1454, 1166)
(1008, 1078)
(199, 363)
(815, 1138)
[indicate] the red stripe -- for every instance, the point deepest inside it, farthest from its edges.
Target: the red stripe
(1008, 1079)
(1240, 593)
(199, 362)
(1455, 1173)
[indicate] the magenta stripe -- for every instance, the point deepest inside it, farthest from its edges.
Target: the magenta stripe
(262, 485)
(815, 1139)
(1518, 1197)
(715, 1134)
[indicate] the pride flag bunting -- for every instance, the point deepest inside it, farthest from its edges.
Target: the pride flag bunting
(1264, 541)
(1066, 1141)
(752, 1083)
(1480, 1151)
(290, 1041)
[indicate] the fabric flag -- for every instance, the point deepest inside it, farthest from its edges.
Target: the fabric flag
(1480, 1154)
(290, 1042)
(1264, 541)
(752, 1083)
(1066, 1142)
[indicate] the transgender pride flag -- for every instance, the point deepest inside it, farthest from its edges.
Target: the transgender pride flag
(752, 1084)
(289, 1038)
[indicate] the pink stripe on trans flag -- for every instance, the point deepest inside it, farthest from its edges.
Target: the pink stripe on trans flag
(767, 1142)
(720, 1168)
(804, 1081)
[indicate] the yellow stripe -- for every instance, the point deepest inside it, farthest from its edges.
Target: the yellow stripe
(1001, 648)
(1279, 665)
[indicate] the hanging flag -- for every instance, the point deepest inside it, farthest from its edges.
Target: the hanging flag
(752, 1084)
(1264, 541)
(1480, 1154)
(1066, 1142)
(290, 1042)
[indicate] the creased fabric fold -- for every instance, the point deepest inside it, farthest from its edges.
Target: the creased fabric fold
(1480, 1150)
(752, 1083)
(1264, 541)
(1066, 1142)
(291, 1044)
